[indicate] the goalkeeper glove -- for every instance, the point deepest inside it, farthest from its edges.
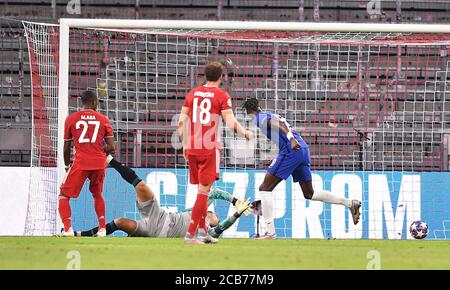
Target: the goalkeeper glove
(243, 207)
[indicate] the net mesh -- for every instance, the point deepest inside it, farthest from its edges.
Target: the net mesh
(372, 106)
(43, 190)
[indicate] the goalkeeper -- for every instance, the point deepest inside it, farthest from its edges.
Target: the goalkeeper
(155, 221)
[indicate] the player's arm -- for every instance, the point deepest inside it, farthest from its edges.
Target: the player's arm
(229, 221)
(182, 121)
(66, 151)
(233, 124)
(109, 138)
(229, 118)
(281, 125)
(110, 146)
(67, 143)
(217, 193)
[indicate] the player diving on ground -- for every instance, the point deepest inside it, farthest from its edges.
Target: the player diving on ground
(155, 221)
(293, 159)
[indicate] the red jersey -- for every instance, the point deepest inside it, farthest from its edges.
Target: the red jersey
(205, 107)
(87, 129)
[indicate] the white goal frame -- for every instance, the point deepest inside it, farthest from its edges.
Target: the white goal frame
(65, 24)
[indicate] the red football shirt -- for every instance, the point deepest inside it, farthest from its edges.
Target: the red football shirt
(87, 129)
(205, 107)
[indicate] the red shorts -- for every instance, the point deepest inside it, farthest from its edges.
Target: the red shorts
(204, 169)
(75, 178)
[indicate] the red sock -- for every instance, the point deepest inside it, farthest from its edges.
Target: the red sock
(202, 221)
(198, 211)
(100, 208)
(64, 211)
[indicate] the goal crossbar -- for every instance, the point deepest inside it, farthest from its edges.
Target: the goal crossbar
(254, 25)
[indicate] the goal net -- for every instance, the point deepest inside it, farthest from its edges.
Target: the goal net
(374, 108)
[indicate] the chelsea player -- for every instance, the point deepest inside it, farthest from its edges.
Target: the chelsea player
(293, 159)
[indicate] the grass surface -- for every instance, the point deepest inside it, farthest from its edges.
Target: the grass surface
(233, 254)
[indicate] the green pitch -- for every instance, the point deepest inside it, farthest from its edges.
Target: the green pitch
(233, 254)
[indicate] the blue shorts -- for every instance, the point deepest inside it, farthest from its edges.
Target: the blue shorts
(295, 163)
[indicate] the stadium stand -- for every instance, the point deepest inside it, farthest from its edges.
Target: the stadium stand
(15, 92)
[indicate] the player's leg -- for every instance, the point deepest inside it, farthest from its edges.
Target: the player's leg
(198, 215)
(126, 225)
(281, 168)
(204, 189)
(203, 235)
(302, 174)
(147, 205)
(203, 170)
(65, 214)
(330, 197)
(322, 195)
(193, 179)
(266, 195)
(97, 178)
(111, 227)
(70, 188)
(209, 172)
(126, 172)
(143, 191)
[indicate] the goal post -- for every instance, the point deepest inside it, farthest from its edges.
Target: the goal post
(63, 94)
(372, 100)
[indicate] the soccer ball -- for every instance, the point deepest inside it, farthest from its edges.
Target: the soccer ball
(418, 229)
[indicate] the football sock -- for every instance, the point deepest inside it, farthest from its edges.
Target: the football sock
(99, 204)
(329, 197)
(198, 211)
(89, 233)
(110, 228)
(267, 210)
(202, 220)
(64, 211)
(127, 173)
